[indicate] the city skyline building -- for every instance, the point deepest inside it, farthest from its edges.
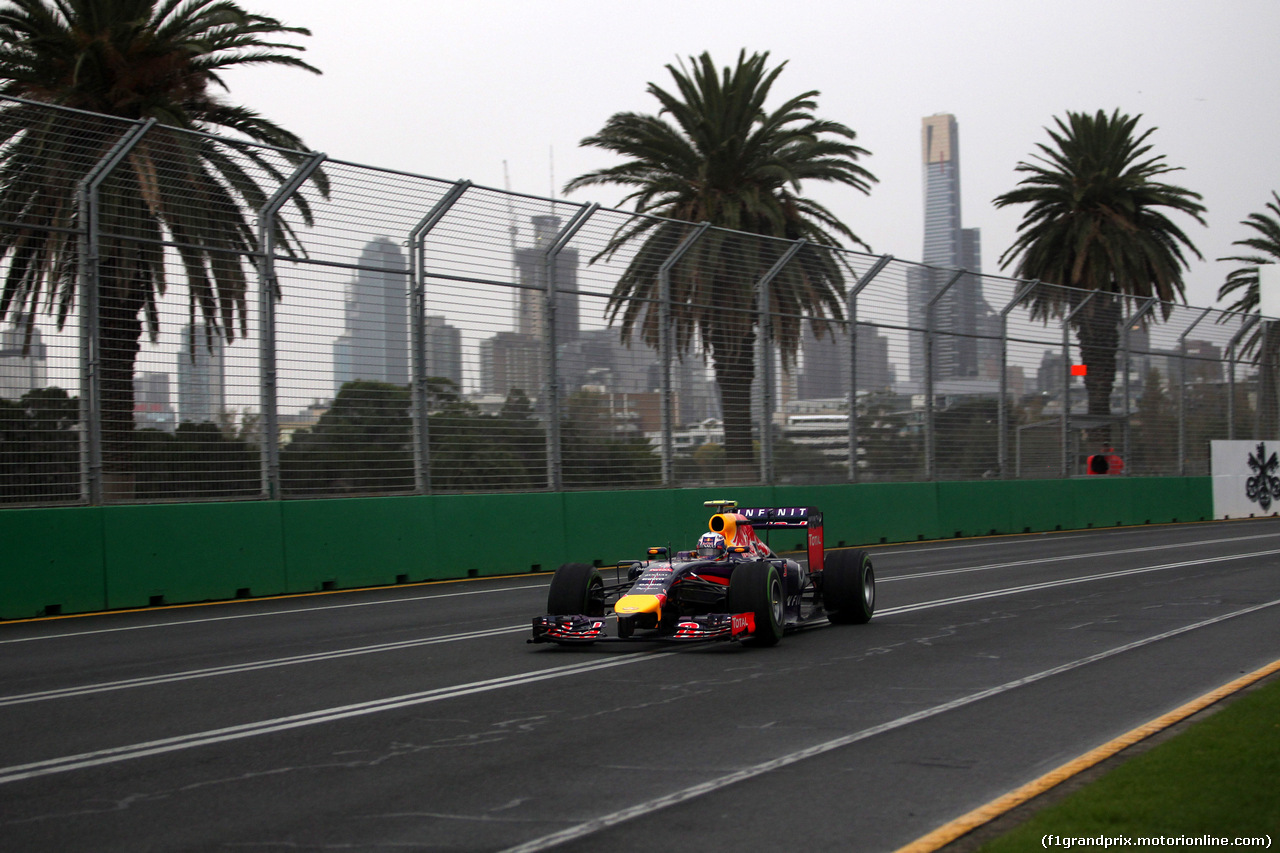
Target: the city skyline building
(202, 375)
(443, 346)
(152, 404)
(374, 345)
(824, 373)
(517, 359)
(24, 359)
(510, 360)
(961, 318)
(599, 357)
(1203, 361)
(532, 269)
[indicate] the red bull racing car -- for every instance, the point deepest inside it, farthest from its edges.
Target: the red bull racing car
(731, 587)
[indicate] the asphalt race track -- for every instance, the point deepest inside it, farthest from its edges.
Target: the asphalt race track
(417, 718)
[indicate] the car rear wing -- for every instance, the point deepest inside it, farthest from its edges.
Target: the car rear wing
(790, 518)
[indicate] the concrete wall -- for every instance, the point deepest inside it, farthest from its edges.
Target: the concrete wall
(78, 559)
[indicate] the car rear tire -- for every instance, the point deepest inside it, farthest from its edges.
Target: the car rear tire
(576, 589)
(849, 587)
(756, 588)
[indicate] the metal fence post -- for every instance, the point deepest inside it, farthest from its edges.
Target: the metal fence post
(851, 301)
(764, 343)
(90, 334)
(555, 474)
(268, 293)
(1002, 407)
(1066, 380)
(1266, 382)
(1182, 393)
(1231, 374)
(665, 350)
(418, 334)
(930, 451)
(1128, 355)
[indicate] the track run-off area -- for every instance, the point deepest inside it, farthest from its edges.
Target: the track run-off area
(418, 718)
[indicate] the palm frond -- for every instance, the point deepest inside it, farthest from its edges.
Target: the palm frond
(142, 59)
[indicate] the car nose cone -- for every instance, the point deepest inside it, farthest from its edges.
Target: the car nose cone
(630, 605)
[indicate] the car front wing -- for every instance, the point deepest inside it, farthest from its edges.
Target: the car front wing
(567, 630)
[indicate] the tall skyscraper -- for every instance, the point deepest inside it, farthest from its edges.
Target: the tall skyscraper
(151, 407)
(444, 349)
(375, 341)
(962, 314)
(202, 375)
(512, 360)
(532, 267)
(23, 360)
(518, 359)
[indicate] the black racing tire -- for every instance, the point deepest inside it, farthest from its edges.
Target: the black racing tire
(756, 588)
(576, 589)
(849, 587)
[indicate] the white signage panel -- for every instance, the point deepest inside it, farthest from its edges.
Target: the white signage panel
(1246, 478)
(1269, 290)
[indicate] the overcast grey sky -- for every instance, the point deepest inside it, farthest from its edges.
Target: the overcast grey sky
(452, 90)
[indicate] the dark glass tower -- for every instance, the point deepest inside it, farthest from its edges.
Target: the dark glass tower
(961, 315)
(375, 342)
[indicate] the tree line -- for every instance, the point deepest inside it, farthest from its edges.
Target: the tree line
(1100, 217)
(363, 445)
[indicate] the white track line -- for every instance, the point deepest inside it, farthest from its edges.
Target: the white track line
(311, 718)
(201, 621)
(1059, 559)
(937, 545)
(1032, 587)
(252, 666)
(318, 657)
(603, 822)
(124, 753)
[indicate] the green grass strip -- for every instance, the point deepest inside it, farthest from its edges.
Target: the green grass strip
(1219, 778)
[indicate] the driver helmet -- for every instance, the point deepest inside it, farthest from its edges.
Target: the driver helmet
(711, 545)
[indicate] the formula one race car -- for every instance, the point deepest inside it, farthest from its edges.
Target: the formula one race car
(732, 587)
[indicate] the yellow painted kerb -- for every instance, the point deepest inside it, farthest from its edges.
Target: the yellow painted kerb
(944, 835)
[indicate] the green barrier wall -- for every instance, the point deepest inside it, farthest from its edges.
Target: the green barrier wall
(51, 558)
(79, 559)
(173, 553)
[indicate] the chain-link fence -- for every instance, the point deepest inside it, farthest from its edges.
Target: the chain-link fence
(187, 317)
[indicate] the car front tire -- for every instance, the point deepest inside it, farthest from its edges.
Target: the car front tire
(756, 588)
(576, 589)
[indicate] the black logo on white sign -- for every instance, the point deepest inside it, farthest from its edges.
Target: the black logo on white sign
(1264, 486)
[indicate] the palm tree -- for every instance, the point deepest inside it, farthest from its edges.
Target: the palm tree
(135, 60)
(1096, 229)
(1264, 342)
(1266, 250)
(714, 154)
